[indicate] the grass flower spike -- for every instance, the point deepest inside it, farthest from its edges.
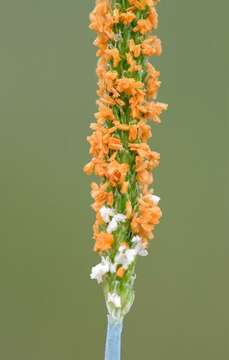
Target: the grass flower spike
(127, 210)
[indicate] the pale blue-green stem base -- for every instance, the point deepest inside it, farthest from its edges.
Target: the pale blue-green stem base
(113, 339)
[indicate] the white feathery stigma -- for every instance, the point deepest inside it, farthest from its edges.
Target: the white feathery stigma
(115, 299)
(98, 271)
(106, 213)
(139, 246)
(155, 199)
(125, 257)
(113, 225)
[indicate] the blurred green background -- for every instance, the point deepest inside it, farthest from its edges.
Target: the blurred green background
(49, 308)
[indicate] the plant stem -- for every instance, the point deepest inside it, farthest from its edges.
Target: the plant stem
(113, 339)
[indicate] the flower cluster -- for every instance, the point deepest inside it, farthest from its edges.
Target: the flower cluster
(126, 208)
